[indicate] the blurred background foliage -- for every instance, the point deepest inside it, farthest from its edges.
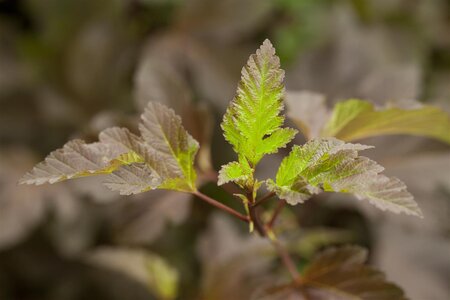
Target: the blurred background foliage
(70, 68)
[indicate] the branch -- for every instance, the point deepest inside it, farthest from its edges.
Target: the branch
(286, 259)
(263, 231)
(276, 213)
(221, 206)
(212, 176)
(264, 198)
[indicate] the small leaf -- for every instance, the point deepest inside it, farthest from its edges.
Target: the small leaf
(355, 119)
(332, 165)
(236, 172)
(162, 158)
(341, 273)
(252, 121)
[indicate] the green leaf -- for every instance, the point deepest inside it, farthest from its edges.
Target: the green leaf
(252, 123)
(332, 165)
(355, 119)
(341, 273)
(162, 158)
(239, 172)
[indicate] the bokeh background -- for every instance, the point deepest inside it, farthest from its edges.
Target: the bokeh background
(70, 68)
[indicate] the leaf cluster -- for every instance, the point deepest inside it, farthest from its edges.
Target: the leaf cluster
(163, 157)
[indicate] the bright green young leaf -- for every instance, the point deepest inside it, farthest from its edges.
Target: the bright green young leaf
(236, 172)
(355, 119)
(341, 273)
(252, 123)
(332, 165)
(162, 158)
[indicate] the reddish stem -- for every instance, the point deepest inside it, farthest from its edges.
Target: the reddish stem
(287, 260)
(277, 211)
(221, 206)
(264, 198)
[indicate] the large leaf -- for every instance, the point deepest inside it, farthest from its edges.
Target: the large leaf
(175, 148)
(162, 158)
(332, 165)
(75, 159)
(252, 123)
(355, 119)
(341, 274)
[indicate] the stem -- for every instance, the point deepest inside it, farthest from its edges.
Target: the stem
(276, 213)
(227, 187)
(253, 213)
(254, 216)
(287, 260)
(285, 257)
(264, 198)
(221, 206)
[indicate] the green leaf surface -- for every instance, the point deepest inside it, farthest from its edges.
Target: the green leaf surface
(356, 119)
(252, 122)
(334, 166)
(238, 172)
(163, 157)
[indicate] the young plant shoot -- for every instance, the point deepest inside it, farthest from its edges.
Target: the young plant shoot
(163, 156)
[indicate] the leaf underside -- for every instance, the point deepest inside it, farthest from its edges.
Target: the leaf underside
(162, 157)
(341, 274)
(356, 119)
(252, 122)
(334, 166)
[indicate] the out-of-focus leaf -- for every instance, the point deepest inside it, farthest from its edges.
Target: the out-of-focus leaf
(233, 264)
(160, 75)
(341, 273)
(312, 240)
(144, 218)
(308, 110)
(418, 261)
(355, 119)
(333, 165)
(162, 158)
(227, 20)
(164, 76)
(21, 207)
(366, 61)
(337, 274)
(149, 269)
